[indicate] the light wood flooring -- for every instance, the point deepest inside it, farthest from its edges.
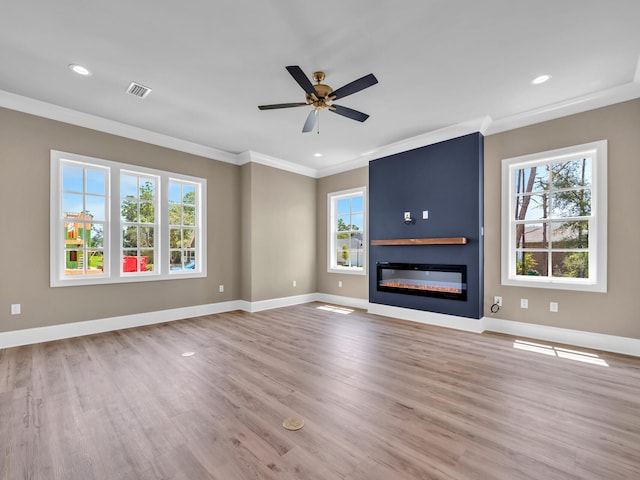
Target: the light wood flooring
(381, 399)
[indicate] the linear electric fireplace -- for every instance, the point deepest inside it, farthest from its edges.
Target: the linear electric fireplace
(443, 281)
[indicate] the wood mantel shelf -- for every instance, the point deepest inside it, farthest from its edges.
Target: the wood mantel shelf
(422, 241)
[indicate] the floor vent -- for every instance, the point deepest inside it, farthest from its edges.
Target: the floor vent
(138, 90)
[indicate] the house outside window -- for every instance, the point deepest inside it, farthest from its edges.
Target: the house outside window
(554, 219)
(112, 222)
(347, 231)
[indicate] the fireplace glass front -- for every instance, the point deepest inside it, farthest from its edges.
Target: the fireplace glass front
(443, 281)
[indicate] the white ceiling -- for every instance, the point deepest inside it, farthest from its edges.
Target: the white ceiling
(441, 64)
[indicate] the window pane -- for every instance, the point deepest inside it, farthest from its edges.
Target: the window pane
(532, 235)
(532, 263)
(72, 178)
(189, 194)
(175, 238)
(572, 174)
(189, 216)
(532, 207)
(343, 206)
(344, 223)
(95, 181)
(96, 236)
(571, 264)
(146, 261)
(189, 238)
(96, 208)
(146, 237)
(130, 237)
(95, 264)
(571, 203)
(176, 260)
(147, 212)
(130, 261)
(570, 234)
(72, 264)
(357, 222)
(357, 204)
(174, 215)
(147, 188)
(129, 211)
(72, 203)
(128, 186)
(533, 179)
(174, 192)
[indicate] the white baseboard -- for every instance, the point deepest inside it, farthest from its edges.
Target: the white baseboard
(429, 318)
(597, 341)
(579, 338)
(279, 302)
(360, 303)
(29, 336)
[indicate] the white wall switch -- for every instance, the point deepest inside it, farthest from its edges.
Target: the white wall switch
(553, 307)
(15, 309)
(524, 303)
(425, 214)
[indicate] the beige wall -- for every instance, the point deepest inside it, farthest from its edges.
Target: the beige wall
(25, 144)
(281, 233)
(615, 312)
(355, 286)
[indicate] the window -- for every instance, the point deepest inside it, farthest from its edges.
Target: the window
(112, 222)
(347, 231)
(555, 218)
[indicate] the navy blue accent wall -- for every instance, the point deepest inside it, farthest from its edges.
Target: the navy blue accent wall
(446, 179)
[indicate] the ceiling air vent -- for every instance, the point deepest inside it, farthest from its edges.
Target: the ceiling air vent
(138, 90)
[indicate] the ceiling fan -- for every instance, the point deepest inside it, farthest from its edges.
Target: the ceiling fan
(321, 96)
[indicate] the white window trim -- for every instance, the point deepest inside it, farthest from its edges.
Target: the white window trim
(598, 224)
(112, 243)
(331, 252)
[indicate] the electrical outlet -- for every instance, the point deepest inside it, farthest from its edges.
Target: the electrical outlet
(524, 303)
(15, 309)
(553, 307)
(425, 214)
(340, 283)
(294, 283)
(407, 216)
(498, 300)
(221, 288)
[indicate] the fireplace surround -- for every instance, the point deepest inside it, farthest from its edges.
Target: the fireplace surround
(429, 280)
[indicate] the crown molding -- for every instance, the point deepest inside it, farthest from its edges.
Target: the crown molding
(254, 157)
(602, 98)
(31, 106)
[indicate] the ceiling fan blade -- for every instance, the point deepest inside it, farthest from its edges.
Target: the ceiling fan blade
(299, 76)
(355, 86)
(280, 105)
(311, 121)
(349, 113)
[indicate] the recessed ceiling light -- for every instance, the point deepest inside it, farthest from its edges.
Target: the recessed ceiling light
(540, 79)
(80, 70)
(317, 154)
